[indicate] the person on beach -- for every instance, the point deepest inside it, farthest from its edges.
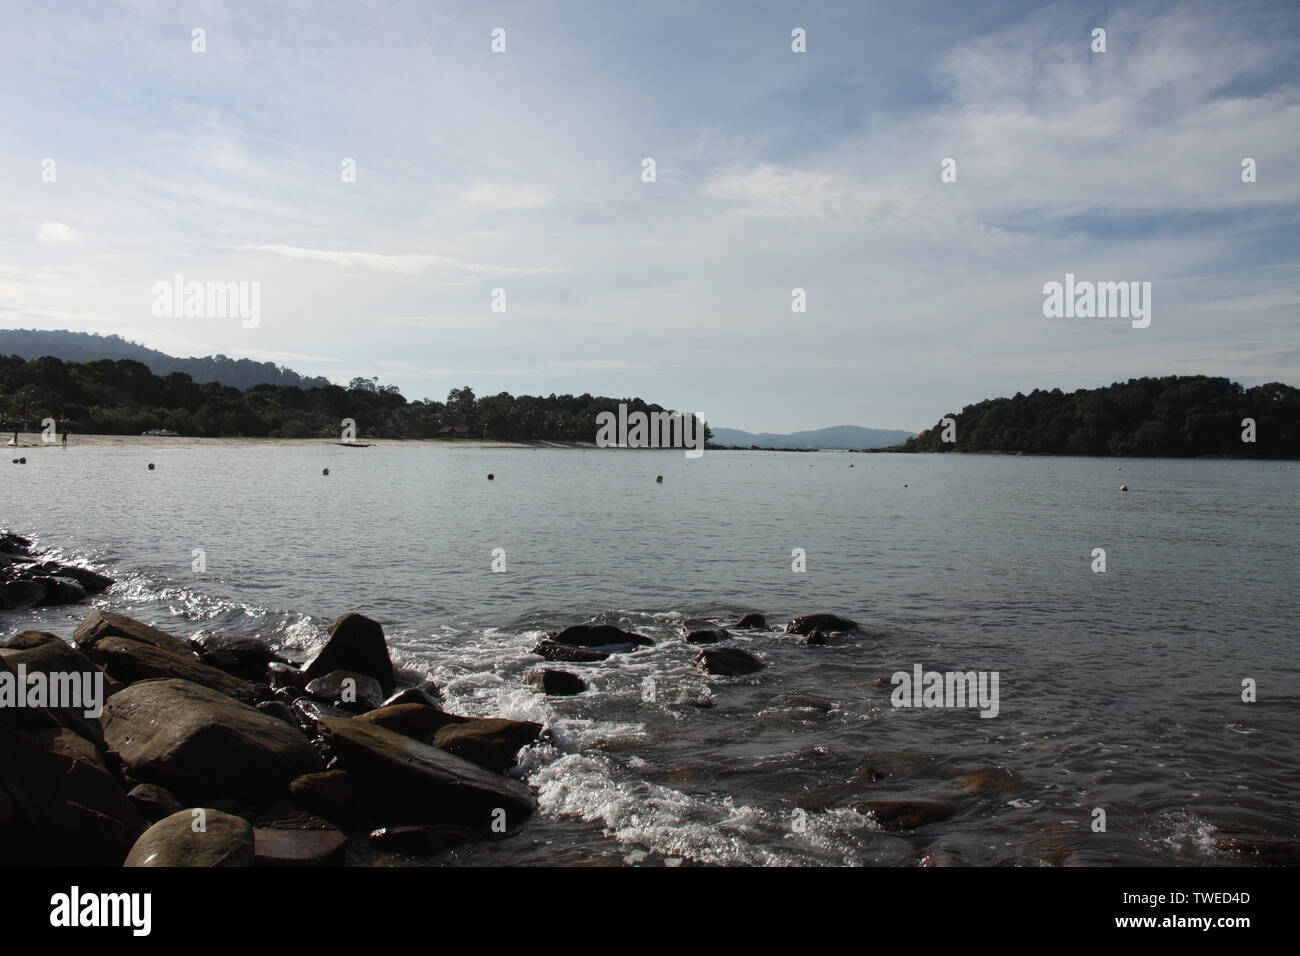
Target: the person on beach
(65, 439)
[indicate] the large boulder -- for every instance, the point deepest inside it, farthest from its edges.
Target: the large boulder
(556, 683)
(100, 624)
(424, 784)
(490, 742)
(70, 672)
(695, 631)
(20, 595)
(243, 655)
(752, 621)
(728, 661)
(223, 840)
(599, 635)
(826, 623)
(336, 795)
(287, 835)
(129, 661)
(92, 581)
(564, 653)
(411, 720)
(201, 744)
(356, 643)
(65, 805)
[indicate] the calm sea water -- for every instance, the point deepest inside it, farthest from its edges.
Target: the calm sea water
(1119, 691)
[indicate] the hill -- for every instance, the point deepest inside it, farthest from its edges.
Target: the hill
(87, 347)
(837, 436)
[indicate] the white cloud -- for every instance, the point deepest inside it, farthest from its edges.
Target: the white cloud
(407, 263)
(506, 196)
(54, 233)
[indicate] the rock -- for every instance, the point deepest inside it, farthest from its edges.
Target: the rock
(490, 742)
(356, 643)
(728, 661)
(203, 745)
(287, 835)
(702, 632)
(20, 595)
(828, 623)
(64, 804)
(815, 639)
(47, 654)
(240, 654)
(129, 661)
(420, 840)
(335, 795)
(426, 694)
(906, 814)
(60, 590)
(92, 581)
(411, 720)
(29, 640)
(225, 840)
(753, 621)
(307, 713)
(279, 710)
(153, 802)
(563, 653)
(556, 683)
(993, 780)
(280, 675)
(350, 690)
(430, 784)
(1268, 850)
(599, 635)
(100, 624)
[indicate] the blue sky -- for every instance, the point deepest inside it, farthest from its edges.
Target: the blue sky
(775, 170)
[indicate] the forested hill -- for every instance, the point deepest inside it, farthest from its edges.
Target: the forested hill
(1172, 417)
(122, 397)
(87, 347)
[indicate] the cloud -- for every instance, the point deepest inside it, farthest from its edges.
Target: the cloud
(506, 196)
(406, 263)
(55, 233)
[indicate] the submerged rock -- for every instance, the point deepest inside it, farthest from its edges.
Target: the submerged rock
(753, 621)
(225, 840)
(695, 631)
(203, 745)
(599, 635)
(906, 814)
(564, 653)
(815, 639)
(827, 623)
(490, 742)
(992, 780)
(728, 662)
(556, 683)
(356, 643)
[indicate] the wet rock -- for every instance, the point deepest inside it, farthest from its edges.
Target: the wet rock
(827, 623)
(67, 669)
(60, 590)
(335, 795)
(563, 653)
(308, 712)
(435, 786)
(65, 806)
(30, 640)
(129, 661)
(356, 643)
(728, 661)
(752, 621)
(280, 675)
(225, 840)
(992, 780)
(153, 802)
(350, 690)
(279, 710)
(420, 840)
(1269, 850)
(92, 581)
(702, 632)
(906, 814)
(287, 835)
(815, 639)
(411, 720)
(99, 624)
(287, 695)
(556, 683)
(599, 635)
(426, 694)
(243, 655)
(490, 742)
(20, 595)
(203, 745)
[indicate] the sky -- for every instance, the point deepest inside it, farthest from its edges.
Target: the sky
(522, 170)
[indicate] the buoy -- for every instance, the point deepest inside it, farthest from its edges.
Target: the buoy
(325, 471)
(1118, 468)
(151, 466)
(659, 479)
(491, 477)
(1123, 487)
(904, 486)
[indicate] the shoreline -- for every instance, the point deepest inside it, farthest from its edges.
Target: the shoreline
(33, 440)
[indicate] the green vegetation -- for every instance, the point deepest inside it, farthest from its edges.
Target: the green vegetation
(1171, 417)
(123, 397)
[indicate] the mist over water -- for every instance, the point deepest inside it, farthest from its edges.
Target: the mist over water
(1118, 690)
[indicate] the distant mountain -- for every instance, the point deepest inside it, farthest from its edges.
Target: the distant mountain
(837, 436)
(87, 347)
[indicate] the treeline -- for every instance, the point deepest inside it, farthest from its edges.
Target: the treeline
(1178, 416)
(122, 397)
(89, 346)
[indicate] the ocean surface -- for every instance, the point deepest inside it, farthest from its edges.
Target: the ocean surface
(1118, 691)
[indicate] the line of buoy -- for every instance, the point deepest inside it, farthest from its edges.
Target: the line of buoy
(325, 471)
(659, 479)
(491, 477)
(151, 466)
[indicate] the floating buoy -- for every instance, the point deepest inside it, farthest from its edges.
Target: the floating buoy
(850, 464)
(492, 477)
(904, 486)
(151, 466)
(1123, 487)
(659, 479)
(325, 471)
(1118, 468)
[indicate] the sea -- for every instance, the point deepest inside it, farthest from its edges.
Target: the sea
(1146, 713)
